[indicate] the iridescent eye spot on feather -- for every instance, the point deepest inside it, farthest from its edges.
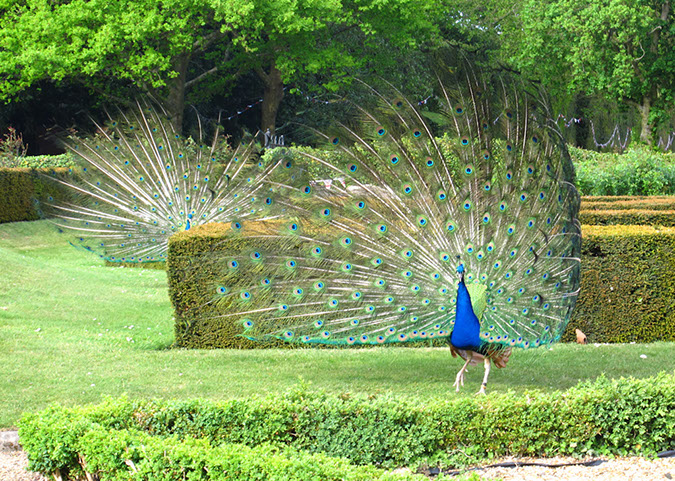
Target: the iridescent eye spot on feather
(293, 227)
(497, 265)
(416, 133)
(468, 170)
(297, 291)
(509, 114)
(459, 110)
(486, 218)
(407, 274)
(376, 261)
(530, 169)
(346, 267)
(402, 337)
(256, 256)
(245, 295)
(352, 168)
(511, 229)
(490, 247)
(488, 186)
(248, 324)
(422, 221)
(221, 290)
(335, 140)
(486, 155)
(364, 338)
(306, 190)
(467, 205)
(523, 196)
(388, 299)
(530, 223)
(464, 141)
(415, 288)
(445, 257)
(346, 241)
(236, 225)
(288, 163)
(545, 276)
(325, 212)
(316, 251)
(450, 226)
(542, 195)
(398, 103)
(441, 195)
(380, 283)
(351, 340)
(369, 309)
(382, 228)
(381, 131)
(265, 282)
(503, 206)
(354, 322)
(435, 276)
(394, 159)
(469, 248)
(508, 275)
(429, 162)
(232, 264)
(325, 334)
(360, 205)
(407, 189)
(318, 286)
(356, 295)
(535, 139)
(290, 263)
(333, 303)
(479, 256)
(318, 323)
(509, 175)
(288, 334)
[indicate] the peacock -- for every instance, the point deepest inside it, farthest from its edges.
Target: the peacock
(455, 220)
(138, 181)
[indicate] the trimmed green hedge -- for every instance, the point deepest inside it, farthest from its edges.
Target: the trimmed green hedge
(199, 439)
(627, 284)
(662, 202)
(628, 217)
(20, 187)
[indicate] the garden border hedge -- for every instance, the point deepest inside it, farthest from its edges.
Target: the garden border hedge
(607, 417)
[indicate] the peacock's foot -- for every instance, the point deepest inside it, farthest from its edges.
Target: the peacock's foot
(481, 391)
(459, 380)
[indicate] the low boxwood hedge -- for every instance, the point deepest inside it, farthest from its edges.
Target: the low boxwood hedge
(299, 434)
(20, 187)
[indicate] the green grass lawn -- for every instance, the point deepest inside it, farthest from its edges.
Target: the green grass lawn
(73, 330)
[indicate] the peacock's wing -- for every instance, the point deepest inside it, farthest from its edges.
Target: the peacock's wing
(373, 257)
(138, 181)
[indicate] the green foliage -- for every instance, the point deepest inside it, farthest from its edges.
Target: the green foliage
(304, 434)
(638, 171)
(12, 149)
(622, 50)
(46, 161)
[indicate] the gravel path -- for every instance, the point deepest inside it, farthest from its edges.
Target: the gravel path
(624, 469)
(13, 468)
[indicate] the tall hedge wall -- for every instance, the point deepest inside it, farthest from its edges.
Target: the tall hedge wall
(20, 187)
(627, 285)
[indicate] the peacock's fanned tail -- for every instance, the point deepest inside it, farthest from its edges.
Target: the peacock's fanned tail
(138, 182)
(484, 180)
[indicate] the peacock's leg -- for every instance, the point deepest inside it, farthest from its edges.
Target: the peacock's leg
(459, 380)
(488, 364)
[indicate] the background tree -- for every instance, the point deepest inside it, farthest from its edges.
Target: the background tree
(621, 49)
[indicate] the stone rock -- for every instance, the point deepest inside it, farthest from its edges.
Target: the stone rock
(9, 441)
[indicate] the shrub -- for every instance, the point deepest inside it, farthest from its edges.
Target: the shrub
(638, 171)
(302, 434)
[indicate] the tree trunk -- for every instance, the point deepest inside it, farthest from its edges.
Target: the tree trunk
(646, 127)
(274, 93)
(175, 101)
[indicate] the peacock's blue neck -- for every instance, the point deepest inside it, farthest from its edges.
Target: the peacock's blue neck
(466, 333)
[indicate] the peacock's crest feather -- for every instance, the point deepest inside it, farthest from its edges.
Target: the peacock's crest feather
(484, 180)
